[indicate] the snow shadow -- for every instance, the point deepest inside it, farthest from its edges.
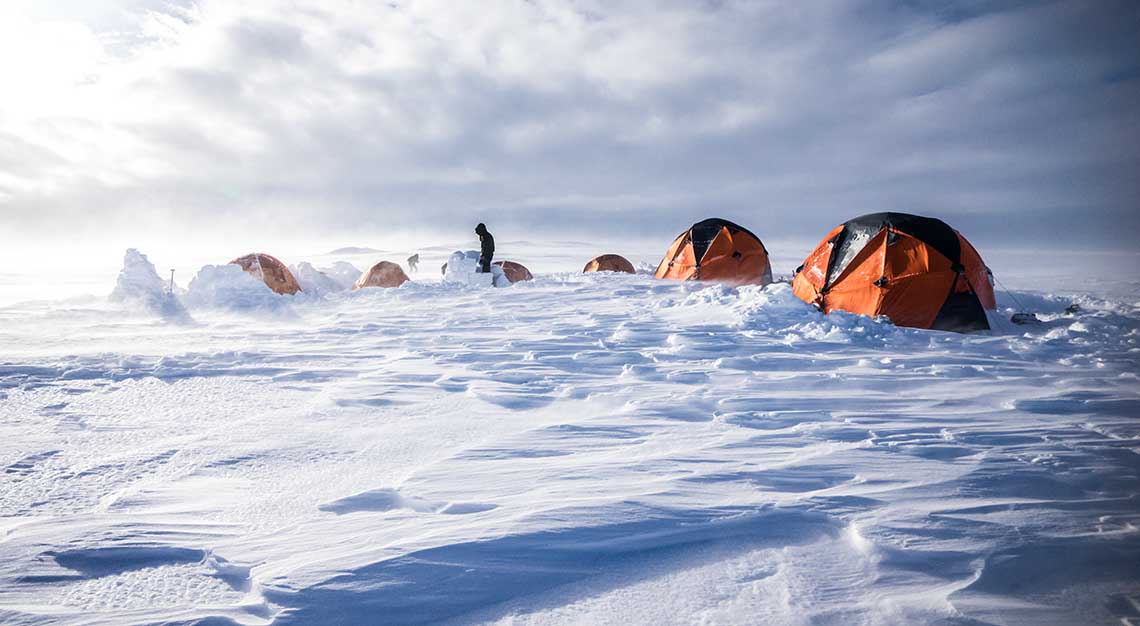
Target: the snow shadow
(431, 585)
(383, 500)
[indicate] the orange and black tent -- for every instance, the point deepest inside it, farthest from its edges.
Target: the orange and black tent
(915, 270)
(717, 250)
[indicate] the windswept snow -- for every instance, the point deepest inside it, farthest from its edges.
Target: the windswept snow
(230, 287)
(139, 286)
(577, 449)
(319, 282)
(344, 273)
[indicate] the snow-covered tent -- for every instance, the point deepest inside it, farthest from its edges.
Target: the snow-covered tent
(609, 263)
(383, 274)
(515, 272)
(270, 271)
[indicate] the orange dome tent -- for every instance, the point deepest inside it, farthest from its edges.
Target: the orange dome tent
(609, 263)
(383, 274)
(270, 271)
(514, 272)
(717, 250)
(915, 270)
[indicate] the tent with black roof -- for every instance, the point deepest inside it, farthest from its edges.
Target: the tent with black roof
(717, 250)
(915, 270)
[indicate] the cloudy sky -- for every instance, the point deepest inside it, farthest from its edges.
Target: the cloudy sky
(1015, 121)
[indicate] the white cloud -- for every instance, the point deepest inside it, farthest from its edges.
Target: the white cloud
(356, 115)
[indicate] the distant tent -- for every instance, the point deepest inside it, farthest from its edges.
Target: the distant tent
(269, 271)
(915, 270)
(717, 250)
(609, 263)
(383, 274)
(515, 272)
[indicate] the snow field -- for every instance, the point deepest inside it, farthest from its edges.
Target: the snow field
(580, 449)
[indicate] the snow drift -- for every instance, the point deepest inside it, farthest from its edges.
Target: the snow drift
(589, 450)
(343, 272)
(230, 287)
(318, 282)
(139, 284)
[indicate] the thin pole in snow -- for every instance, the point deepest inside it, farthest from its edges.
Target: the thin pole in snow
(172, 281)
(1009, 293)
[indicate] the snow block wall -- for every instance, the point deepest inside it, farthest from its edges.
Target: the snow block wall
(462, 267)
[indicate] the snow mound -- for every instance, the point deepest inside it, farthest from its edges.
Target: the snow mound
(230, 287)
(314, 281)
(645, 268)
(461, 268)
(139, 285)
(343, 272)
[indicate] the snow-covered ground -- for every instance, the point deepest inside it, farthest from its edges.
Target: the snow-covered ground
(574, 450)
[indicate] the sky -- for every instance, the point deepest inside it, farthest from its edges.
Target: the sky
(356, 120)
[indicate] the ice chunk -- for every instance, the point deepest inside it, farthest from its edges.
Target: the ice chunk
(140, 285)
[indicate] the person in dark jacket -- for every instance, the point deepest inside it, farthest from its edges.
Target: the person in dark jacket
(486, 248)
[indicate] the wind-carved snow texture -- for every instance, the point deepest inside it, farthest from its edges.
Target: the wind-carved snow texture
(582, 449)
(315, 282)
(343, 272)
(139, 285)
(230, 287)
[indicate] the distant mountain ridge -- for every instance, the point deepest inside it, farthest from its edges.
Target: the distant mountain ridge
(354, 250)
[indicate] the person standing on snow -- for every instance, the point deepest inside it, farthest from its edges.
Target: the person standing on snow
(486, 248)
